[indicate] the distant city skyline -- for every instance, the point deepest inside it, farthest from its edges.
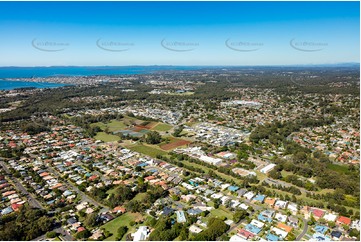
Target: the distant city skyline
(179, 33)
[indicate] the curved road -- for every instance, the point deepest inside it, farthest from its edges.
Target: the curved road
(304, 231)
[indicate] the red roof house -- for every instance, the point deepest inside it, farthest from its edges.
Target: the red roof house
(343, 220)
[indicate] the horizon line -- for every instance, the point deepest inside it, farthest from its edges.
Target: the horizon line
(160, 65)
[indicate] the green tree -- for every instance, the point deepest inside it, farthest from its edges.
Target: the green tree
(83, 234)
(91, 220)
(153, 137)
(239, 215)
(51, 234)
(121, 232)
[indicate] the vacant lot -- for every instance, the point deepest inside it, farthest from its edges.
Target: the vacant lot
(162, 127)
(221, 212)
(338, 168)
(151, 125)
(174, 144)
(147, 150)
(140, 196)
(122, 220)
(113, 125)
(106, 137)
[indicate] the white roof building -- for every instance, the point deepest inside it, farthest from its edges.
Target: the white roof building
(210, 160)
(280, 217)
(268, 168)
(195, 229)
(355, 225)
(224, 186)
(236, 238)
(141, 234)
(330, 217)
(292, 207)
(257, 223)
(244, 206)
(224, 200)
(279, 232)
(249, 195)
(281, 204)
(217, 195)
(235, 203)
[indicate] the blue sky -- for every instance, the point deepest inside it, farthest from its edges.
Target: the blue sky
(178, 33)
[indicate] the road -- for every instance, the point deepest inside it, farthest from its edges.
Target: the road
(34, 203)
(85, 198)
(63, 235)
(304, 231)
(234, 226)
(31, 200)
(284, 184)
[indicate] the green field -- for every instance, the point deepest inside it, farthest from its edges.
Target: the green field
(206, 169)
(162, 127)
(106, 137)
(122, 220)
(338, 168)
(147, 150)
(221, 212)
(113, 125)
(140, 196)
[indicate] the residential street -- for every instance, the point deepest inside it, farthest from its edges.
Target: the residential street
(85, 198)
(304, 231)
(31, 200)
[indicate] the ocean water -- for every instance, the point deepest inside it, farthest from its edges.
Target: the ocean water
(28, 72)
(10, 85)
(19, 72)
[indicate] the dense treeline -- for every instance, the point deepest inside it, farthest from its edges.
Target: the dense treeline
(123, 194)
(164, 230)
(277, 132)
(153, 137)
(35, 128)
(27, 224)
(325, 178)
(290, 189)
(215, 228)
(177, 159)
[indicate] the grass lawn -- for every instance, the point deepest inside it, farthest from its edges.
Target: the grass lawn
(57, 239)
(106, 137)
(324, 191)
(113, 125)
(338, 168)
(286, 173)
(350, 198)
(99, 124)
(221, 212)
(122, 220)
(162, 127)
(261, 176)
(191, 123)
(112, 191)
(206, 169)
(147, 150)
(210, 204)
(140, 196)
